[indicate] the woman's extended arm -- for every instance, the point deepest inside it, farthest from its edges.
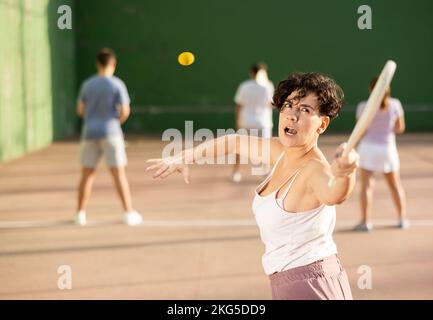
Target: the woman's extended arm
(254, 148)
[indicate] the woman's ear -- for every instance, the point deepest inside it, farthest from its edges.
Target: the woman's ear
(324, 124)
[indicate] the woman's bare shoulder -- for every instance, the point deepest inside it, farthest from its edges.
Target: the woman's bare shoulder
(316, 165)
(276, 149)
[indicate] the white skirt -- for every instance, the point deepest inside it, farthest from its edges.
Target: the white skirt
(381, 158)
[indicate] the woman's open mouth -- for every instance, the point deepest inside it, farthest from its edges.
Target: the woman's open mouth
(289, 131)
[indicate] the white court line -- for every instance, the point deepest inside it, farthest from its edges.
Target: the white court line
(147, 223)
(34, 224)
(190, 223)
(199, 223)
(387, 222)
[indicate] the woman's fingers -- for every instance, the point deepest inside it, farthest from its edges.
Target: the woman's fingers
(165, 167)
(185, 173)
(166, 173)
(340, 150)
(156, 163)
(153, 167)
(345, 166)
(346, 170)
(348, 160)
(154, 160)
(161, 170)
(354, 157)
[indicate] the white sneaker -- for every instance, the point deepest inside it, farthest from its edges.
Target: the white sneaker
(403, 224)
(364, 227)
(133, 218)
(80, 218)
(237, 177)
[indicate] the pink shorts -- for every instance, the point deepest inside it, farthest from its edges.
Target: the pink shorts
(324, 279)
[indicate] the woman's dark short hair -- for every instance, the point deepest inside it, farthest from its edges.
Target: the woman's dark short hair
(328, 92)
(104, 57)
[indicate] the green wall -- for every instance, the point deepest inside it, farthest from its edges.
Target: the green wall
(227, 36)
(42, 66)
(37, 76)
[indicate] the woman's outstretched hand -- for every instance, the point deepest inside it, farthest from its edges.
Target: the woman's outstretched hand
(166, 166)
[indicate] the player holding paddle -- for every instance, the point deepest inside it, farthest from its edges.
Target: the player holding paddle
(295, 206)
(378, 154)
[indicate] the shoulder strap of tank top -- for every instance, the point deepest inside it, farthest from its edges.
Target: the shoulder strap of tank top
(292, 178)
(276, 163)
(261, 186)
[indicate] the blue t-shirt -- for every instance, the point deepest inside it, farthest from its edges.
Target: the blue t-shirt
(102, 96)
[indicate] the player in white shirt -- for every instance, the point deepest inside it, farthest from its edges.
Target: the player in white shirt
(254, 107)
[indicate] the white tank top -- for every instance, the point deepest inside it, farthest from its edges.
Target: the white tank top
(292, 239)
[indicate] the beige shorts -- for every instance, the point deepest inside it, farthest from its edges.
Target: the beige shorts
(112, 147)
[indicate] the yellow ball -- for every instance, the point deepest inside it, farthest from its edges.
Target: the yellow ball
(186, 58)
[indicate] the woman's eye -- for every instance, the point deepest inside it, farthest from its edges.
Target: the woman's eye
(305, 110)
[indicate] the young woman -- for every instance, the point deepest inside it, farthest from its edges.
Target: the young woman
(295, 206)
(378, 153)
